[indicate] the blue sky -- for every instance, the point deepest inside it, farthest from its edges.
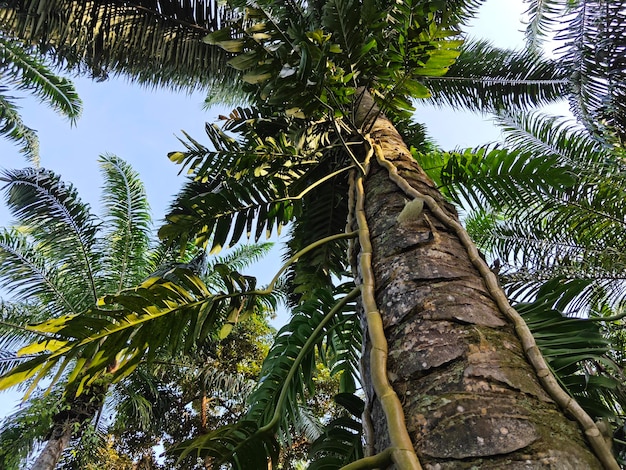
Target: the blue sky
(141, 126)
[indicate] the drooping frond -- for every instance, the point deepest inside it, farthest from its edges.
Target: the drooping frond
(171, 312)
(576, 349)
(594, 51)
(324, 213)
(152, 42)
(341, 440)
(14, 316)
(24, 69)
(589, 35)
(485, 79)
(12, 127)
(61, 225)
(544, 18)
(287, 377)
(126, 237)
(247, 187)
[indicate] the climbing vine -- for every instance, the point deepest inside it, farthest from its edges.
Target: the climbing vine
(401, 451)
(535, 358)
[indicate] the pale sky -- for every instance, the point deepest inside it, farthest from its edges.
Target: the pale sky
(141, 126)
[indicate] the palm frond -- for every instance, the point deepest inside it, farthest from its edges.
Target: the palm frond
(27, 273)
(341, 441)
(486, 79)
(567, 225)
(254, 193)
(503, 177)
(241, 257)
(12, 127)
(287, 375)
(324, 213)
(241, 444)
(593, 52)
(544, 18)
(553, 135)
(172, 312)
(26, 70)
(13, 316)
(576, 349)
(156, 43)
(59, 222)
(128, 224)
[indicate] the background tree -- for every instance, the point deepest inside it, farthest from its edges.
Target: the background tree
(57, 261)
(54, 224)
(589, 33)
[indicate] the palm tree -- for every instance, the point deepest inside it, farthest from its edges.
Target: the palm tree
(165, 38)
(23, 68)
(548, 206)
(160, 44)
(442, 346)
(57, 261)
(573, 232)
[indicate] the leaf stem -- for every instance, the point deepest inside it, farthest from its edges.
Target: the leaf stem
(380, 460)
(294, 258)
(354, 293)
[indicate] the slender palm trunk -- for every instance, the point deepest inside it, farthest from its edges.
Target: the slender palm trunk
(54, 448)
(470, 397)
(79, 411)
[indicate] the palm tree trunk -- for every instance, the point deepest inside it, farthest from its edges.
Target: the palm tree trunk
(50, 455)
(469, 395)
(80, 410)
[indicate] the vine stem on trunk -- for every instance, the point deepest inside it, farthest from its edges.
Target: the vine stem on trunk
(401, 448)
(536, 359)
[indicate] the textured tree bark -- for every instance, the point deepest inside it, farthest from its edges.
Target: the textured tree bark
(470, 397)
(53, 450)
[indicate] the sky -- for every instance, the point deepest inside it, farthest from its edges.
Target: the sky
(142, 125)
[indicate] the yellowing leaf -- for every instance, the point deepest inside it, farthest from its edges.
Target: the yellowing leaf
(232, 45)
(51, 326)
(295, 112)
(176, 157)
(335, 49)
(48, 345)
(225, 330)
(13, 379)
(255, 28)
(261, 36)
